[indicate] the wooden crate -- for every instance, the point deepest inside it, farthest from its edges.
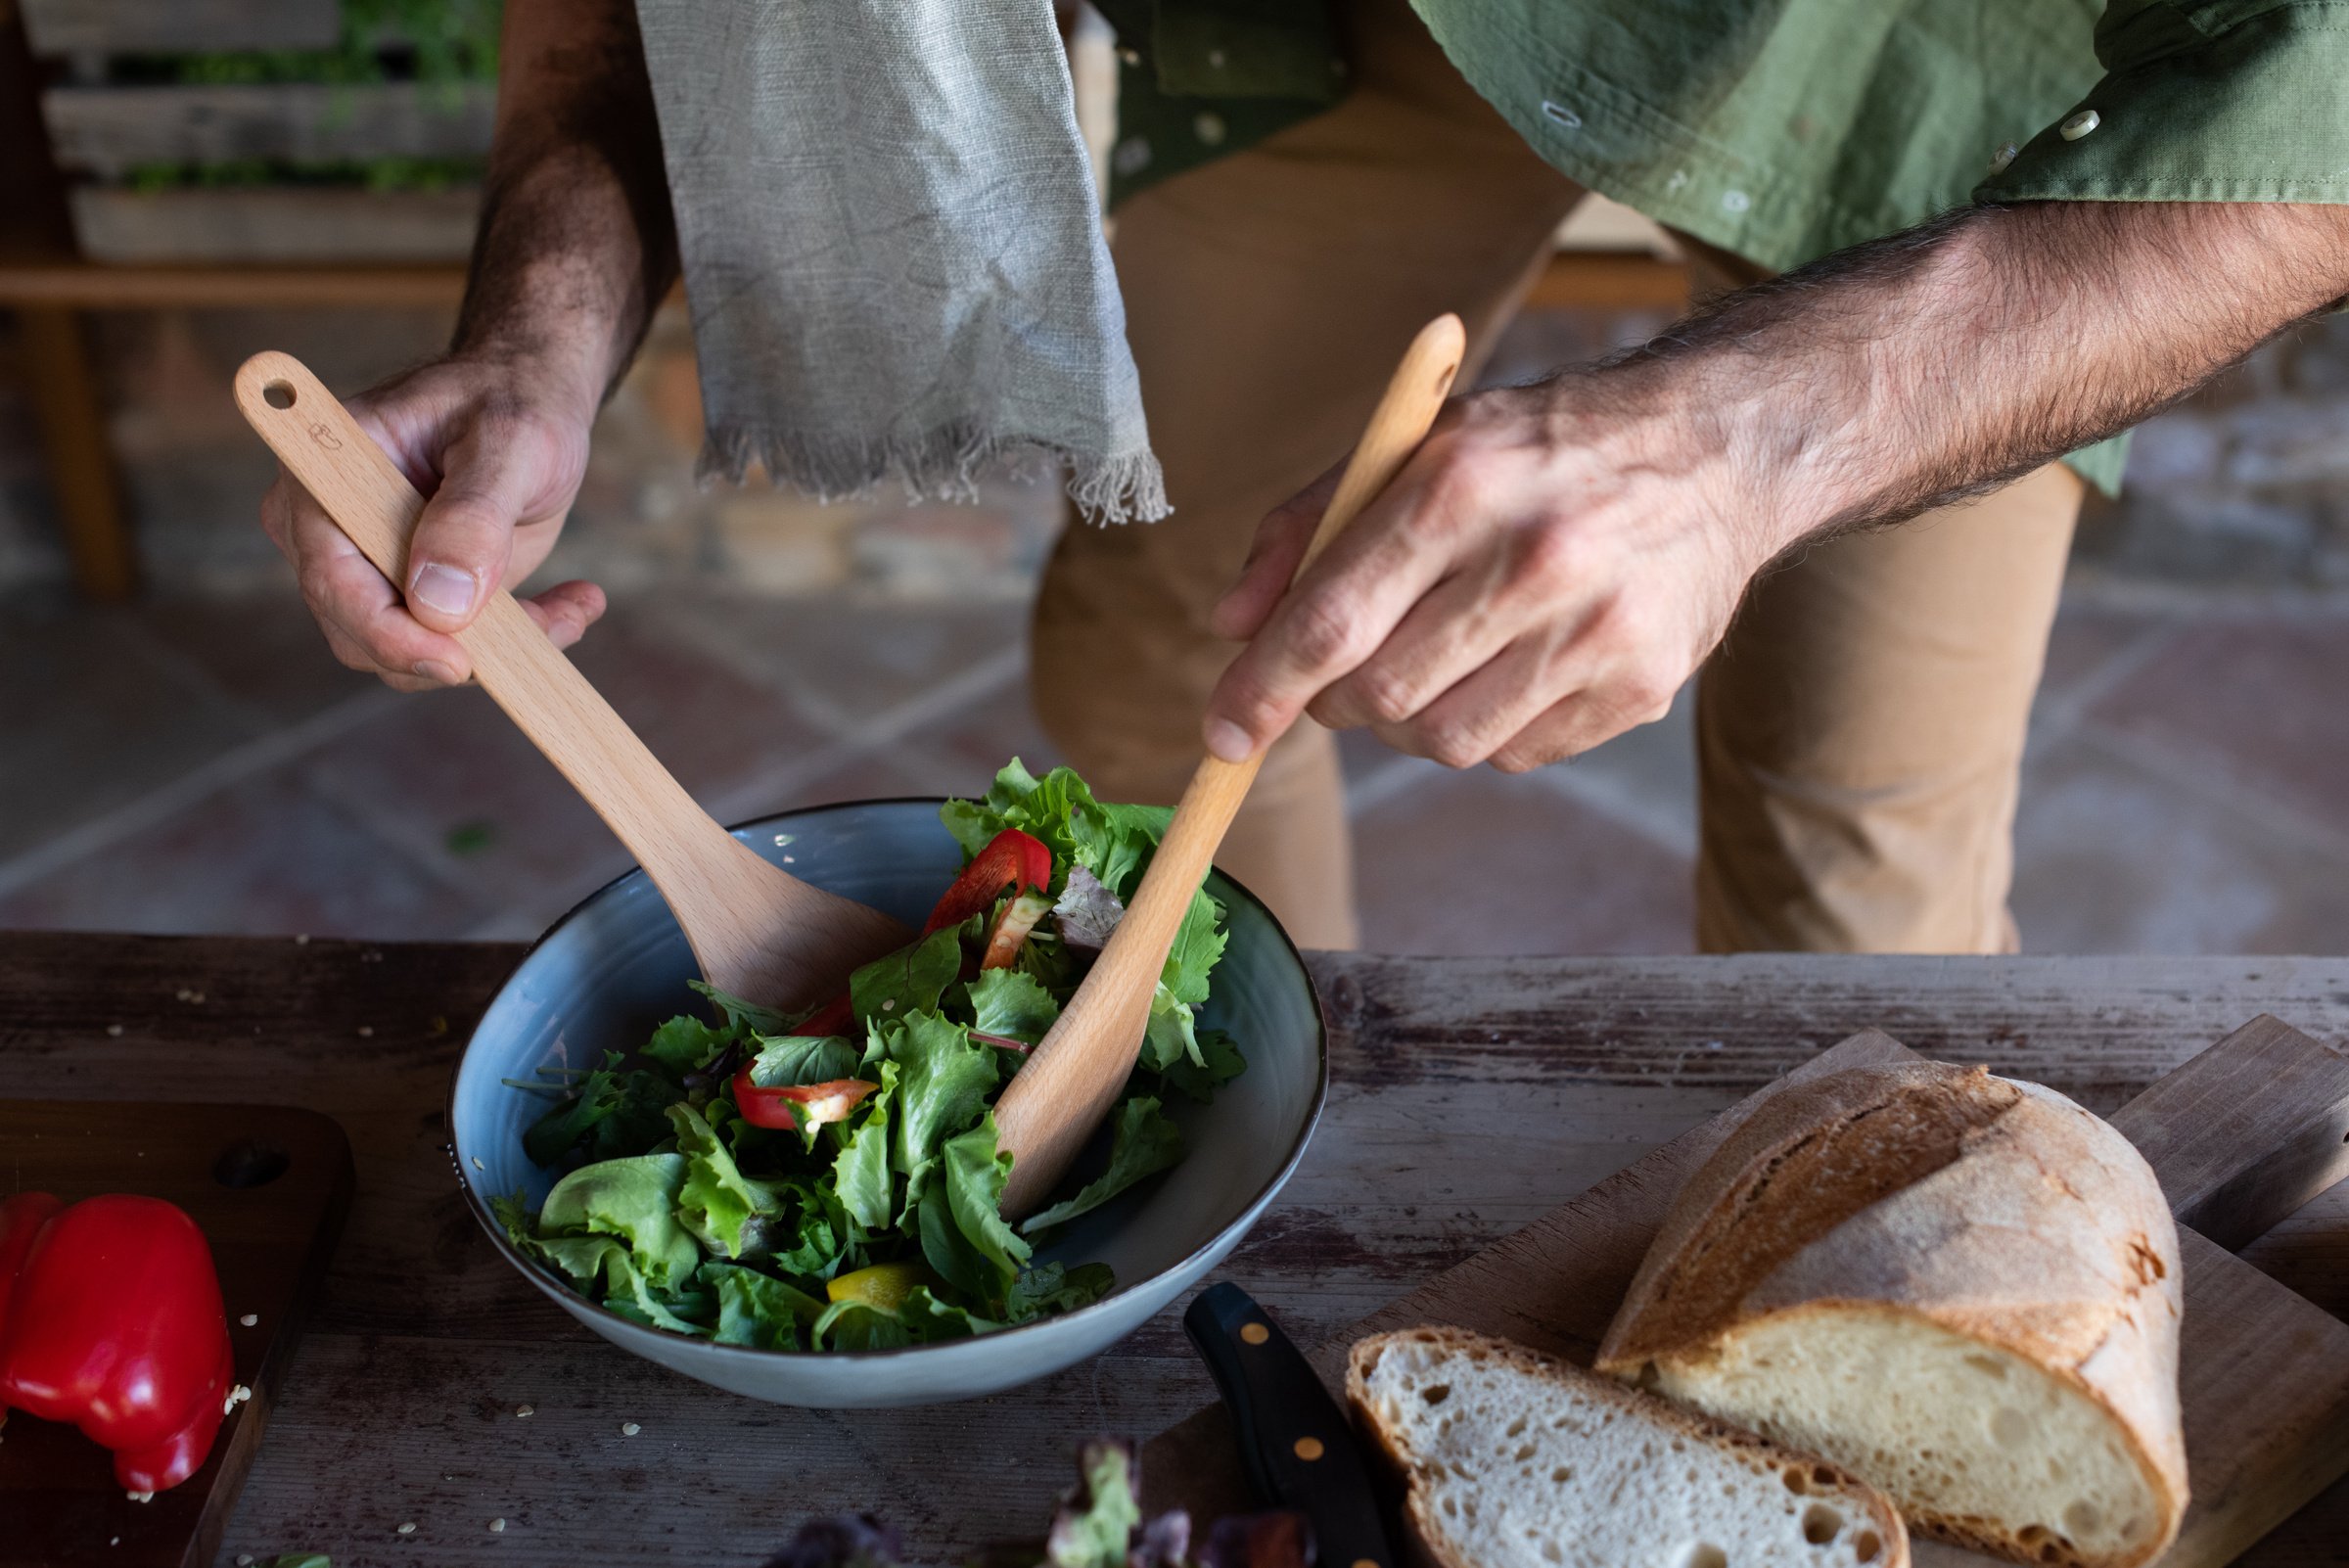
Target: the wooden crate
(100, 134)
(165, 26)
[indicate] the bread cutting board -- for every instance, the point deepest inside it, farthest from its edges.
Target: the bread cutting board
(2240, 1136)
(269, 1184)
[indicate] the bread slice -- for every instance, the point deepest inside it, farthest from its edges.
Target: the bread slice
(1516, 1461)
(1964, 1288)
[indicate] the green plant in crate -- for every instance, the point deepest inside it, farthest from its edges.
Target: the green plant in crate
(445, 44)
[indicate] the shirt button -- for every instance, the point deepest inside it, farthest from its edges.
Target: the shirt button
(1131, 156)
(2001, 159)
(2080, 124)
(1209, 128)
(1735, 201)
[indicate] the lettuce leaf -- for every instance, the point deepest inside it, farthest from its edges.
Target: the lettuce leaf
(757, 1310)
(634, 1199)
(1094, 1525)
(964, 1237)
(615, 1111)
(742, 1017)
(861, 1176)
(1012, 1004)
(855, 1325)
(685, 1044)
(1142, 1144)
(943, 1085)
(1215, 1063)
(1113, 841)
(716, 1201)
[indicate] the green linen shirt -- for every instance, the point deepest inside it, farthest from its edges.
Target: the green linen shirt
(1783, 130)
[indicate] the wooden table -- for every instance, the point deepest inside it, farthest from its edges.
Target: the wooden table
(1468, 1097)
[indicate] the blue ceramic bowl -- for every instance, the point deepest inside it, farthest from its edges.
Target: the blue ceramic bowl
(615, 967)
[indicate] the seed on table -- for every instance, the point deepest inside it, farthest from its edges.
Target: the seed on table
(524, 1414)
(630, 1429)
(366, 1032)
(408, 1529)
(250, 1320)
(498, 1525)
(114, 1030)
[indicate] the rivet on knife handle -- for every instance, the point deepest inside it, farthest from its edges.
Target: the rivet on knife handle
(1295, 1441)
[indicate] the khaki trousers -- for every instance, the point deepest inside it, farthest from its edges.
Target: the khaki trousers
(1861, 729)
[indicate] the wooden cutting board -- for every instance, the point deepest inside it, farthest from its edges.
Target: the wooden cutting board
(2240, 1137)
(269, 1184)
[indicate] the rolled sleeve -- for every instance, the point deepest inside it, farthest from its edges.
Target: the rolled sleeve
(2232, 101)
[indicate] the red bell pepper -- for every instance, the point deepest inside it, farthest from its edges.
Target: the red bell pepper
(1011, 859)
(110, 1319)
(793, 1105)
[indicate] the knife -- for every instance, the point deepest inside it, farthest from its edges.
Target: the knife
(1298, 1447)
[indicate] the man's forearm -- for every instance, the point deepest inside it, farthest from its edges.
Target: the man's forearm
(576, 245)
(1909, 373)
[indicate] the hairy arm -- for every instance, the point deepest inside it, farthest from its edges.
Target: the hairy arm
(576, 245)
(1557, 559)
(575, 249)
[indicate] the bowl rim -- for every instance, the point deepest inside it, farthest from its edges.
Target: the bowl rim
(574, 1300)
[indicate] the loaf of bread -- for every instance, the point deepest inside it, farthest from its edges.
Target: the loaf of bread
(1964, 1288)
(1516, 1461)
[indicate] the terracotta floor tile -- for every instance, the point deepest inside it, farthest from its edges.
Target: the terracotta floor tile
(453, 779)
(978, 741)
(1479, 864)
(859, 661)
(2112, 860)
(2256, 701)
(91, 721)
(2086, 641)
(264, 856)
(262, 650)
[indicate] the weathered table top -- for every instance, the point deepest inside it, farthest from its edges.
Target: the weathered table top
(1467, 1097)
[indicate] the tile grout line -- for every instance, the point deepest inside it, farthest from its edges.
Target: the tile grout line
(2067, 714)
(195, 785)
(2240, 802)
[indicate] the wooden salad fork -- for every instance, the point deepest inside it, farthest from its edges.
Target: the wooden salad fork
(756, 930)
(1070, 1081)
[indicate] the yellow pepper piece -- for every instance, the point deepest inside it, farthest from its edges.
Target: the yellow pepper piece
(883, 1285)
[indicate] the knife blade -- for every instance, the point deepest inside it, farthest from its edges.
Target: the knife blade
(1295, 1441)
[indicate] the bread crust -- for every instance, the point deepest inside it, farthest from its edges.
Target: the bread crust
(1427, 1539)
(1993, 1209)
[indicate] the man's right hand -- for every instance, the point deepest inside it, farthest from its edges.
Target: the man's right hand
(498, 448)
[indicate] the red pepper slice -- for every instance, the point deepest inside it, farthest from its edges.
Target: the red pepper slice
(114, 1322)
(1012, 860)
(796, 1105)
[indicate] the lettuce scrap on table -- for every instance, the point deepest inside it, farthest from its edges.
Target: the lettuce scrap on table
(831, 1181)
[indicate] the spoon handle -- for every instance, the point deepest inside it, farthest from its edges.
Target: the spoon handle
(340, 464)
(1059, 1096)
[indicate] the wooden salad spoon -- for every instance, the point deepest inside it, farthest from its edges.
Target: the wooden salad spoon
(1069, 1081)
(756, 930)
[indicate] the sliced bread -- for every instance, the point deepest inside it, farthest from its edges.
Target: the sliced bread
(1962, 1287)
(1517, 1461)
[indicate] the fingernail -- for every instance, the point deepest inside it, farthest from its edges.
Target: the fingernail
(442, 588)
(1228, 741)
(435, 669)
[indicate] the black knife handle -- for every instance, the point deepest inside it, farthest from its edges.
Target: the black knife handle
(1296, 1442)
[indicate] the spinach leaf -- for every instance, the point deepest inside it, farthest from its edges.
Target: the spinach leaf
(1218, 1062)
(908, 980)
(791, 1060)
(742, 1017)
(855, 1325)
(1050, 1288)
(615, 1111)
(684, 1044)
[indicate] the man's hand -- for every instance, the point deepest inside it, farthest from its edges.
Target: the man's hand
(1543, 573)
(575, 250)
(1557, 559)
(498, 452)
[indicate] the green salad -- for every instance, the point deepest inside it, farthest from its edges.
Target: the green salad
(831, 1180)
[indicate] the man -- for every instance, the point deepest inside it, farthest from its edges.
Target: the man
(1559, 559)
